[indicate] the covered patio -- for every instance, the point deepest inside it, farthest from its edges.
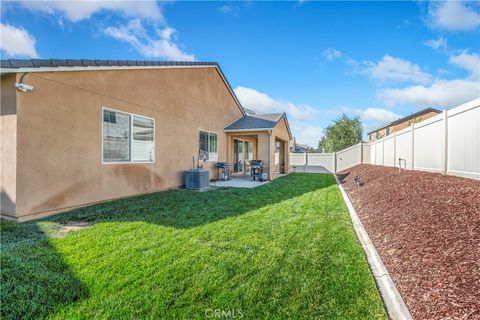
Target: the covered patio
(259, 137)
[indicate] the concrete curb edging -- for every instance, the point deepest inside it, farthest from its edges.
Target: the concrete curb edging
(396, 307)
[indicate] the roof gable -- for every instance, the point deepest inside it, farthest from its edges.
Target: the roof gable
(248, 122)
(259, 122)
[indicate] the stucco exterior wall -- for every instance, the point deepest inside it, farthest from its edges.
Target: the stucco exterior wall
(60, 132)
(280, 132)
(265, 152)
(8, 145)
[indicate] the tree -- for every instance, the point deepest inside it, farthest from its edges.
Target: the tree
(342, 133)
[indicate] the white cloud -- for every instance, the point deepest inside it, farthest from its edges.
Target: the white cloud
(453, 15)
(469, 62)
(442, 93)
(167, 33)
(262, 103)
(438, 44)
(17, 41)
(331, 54)
(396, 69)
(227, 9)
(80, 10)
(306, 133)
(298, 114)
(158, 46)
(371, 117)
(378, 115)
(439, 93)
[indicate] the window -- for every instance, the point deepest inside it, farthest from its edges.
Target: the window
(388, 131)
(127, 137)
(116, 136)
(208, 146)
(142, 139)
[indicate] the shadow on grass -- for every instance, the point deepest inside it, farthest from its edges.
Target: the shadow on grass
(181, 208)
(35, 281)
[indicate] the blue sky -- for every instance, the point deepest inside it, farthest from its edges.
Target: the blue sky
(313, 60)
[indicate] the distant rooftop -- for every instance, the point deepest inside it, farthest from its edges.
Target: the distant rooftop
(401, 120)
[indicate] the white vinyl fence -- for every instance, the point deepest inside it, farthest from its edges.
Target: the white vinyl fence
(333, 162)
(448, 143)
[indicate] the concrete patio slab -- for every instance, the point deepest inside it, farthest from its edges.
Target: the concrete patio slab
(238, 183)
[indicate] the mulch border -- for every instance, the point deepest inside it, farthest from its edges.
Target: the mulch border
(393, 301)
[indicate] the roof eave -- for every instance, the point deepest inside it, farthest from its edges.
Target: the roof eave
(247, 130)
(106, 68)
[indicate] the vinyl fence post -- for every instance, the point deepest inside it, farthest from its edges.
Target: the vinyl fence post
(383, 151)
(413, 145)
(305, 162)
(361, 152)
(335, 162)
(445, 142)
(394, 149)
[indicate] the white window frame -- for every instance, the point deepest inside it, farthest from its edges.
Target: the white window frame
(131, 115)
(208, 143)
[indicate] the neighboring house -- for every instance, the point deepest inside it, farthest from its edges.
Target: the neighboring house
(401, 124)
(298, 147)
(93, 130)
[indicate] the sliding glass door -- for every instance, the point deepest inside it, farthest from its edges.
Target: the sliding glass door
(238, 157)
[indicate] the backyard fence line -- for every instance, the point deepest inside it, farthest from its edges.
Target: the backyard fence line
(447, 143)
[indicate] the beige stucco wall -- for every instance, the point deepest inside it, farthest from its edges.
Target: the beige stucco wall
(60, 132)
(8, 145)
(280, 132)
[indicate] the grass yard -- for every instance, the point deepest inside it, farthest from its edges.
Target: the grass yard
(283, 250)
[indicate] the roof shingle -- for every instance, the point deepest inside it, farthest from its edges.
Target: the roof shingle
(266, 121)
(50, 63)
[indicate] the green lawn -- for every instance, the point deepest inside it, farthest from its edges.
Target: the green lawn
(283, 250)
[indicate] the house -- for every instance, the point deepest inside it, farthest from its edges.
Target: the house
(401, 123)
(77, 132)
(298, 147)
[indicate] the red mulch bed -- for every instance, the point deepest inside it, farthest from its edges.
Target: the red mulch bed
(426, 228)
